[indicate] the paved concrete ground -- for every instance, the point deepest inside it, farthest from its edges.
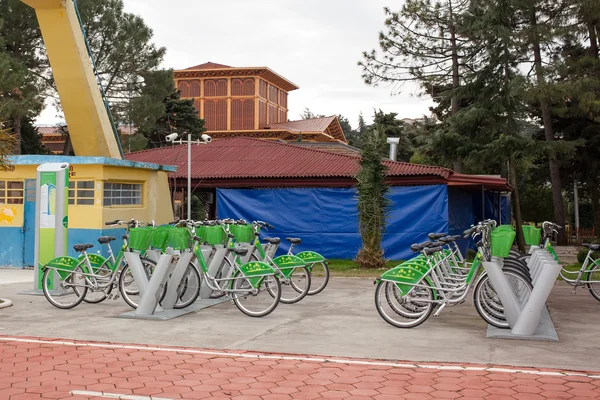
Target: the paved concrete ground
(34, 369)
(341, 321)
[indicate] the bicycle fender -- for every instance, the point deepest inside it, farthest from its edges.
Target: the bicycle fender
(64, 265)
(405, 278)
(96, 260)
(310, 257)
(287, 264)
(256, 269)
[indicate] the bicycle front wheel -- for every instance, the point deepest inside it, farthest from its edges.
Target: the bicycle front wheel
(189, 288)
(488, 303)
(128, 287)
(259, 301)
(64, 295)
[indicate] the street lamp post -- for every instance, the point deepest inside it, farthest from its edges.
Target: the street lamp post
(204, 139)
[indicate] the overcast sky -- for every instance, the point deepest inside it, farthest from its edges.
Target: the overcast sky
(314, 43)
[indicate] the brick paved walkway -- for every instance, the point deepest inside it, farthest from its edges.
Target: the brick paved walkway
(33, 368)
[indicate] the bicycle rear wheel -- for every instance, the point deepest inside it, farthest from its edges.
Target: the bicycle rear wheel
(256, 302)
(319, 277)
(98, 296)
(189, 288)
(593, 275)
(297, 287)
(397, 311)
(64, 295)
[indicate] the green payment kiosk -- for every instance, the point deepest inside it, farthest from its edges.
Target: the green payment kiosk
(51, 205)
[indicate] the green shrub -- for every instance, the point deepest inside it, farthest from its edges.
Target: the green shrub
(583, 253)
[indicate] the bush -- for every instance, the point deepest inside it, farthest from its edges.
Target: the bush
(583, 253)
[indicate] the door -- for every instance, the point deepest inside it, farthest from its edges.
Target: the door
(29, 223)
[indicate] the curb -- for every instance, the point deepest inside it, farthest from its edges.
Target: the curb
(5, 303)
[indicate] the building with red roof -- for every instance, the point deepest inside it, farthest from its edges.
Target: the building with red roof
(306, 190)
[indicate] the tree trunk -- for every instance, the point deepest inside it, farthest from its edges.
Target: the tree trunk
(67, 146)
(557, 196)
(592, 188)
(454, 107)
(593, 39)
(516, 204)
(17, 133)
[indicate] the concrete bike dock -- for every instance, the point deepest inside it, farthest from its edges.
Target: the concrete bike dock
(150, 290)
(529, 318)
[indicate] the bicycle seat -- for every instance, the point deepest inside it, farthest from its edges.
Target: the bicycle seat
(294, 240)
(420, 246)
(273, 240)
(434, 236)
(469, 232)
(430, 250)
(446, 239)
(240, 251)
(106, 239)
(455, 237)
(82, 247)
(594, 247)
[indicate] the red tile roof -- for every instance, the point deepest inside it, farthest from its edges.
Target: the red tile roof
(250, 158)
(209, 65)
(305, 125)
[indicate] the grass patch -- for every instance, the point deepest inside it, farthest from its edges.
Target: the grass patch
(339, 267)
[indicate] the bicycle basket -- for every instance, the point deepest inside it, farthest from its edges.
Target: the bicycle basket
(160, 237)
(531, 235)
(140, 238)
(213, 235)
(242, 233)
(502, 241)
(179, 239)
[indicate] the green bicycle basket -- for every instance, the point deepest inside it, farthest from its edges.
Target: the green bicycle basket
(160, 237)
(140, 238)
(502, 241)
(531, 235)
(213, 235)
(242, 233)
(179, 239)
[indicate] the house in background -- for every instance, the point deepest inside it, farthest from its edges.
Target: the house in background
(250, 102)
(54, 136)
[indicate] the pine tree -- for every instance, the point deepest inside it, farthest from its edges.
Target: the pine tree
(372, 202)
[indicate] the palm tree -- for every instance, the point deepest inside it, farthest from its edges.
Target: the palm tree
(372, 202)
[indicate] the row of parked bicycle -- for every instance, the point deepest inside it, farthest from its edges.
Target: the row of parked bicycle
(440, 276)
(228, 259)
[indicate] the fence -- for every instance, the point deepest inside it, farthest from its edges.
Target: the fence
(578, 236)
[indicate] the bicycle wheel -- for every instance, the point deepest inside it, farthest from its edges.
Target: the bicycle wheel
(256, 302)
(412, 309)
(189, 288)
(65, 296)
(128, 287)
(319, 277)
(593, 275)
(488, 304)
(98, 296)
(388, 305)
(296, 287)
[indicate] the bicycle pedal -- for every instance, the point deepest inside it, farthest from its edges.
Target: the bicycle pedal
(116, 297)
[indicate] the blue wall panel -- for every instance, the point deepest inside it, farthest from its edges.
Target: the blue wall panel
(461, 215)
(327, 219)
(11, 247)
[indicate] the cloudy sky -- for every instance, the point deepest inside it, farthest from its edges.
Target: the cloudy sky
(314, 43)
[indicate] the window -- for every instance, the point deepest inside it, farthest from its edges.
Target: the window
(81, 193)
(122, 194)
(11, 192)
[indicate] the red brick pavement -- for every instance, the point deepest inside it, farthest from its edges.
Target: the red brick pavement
(33, 368)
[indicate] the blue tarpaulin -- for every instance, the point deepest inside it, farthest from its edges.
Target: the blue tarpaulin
(327, 219)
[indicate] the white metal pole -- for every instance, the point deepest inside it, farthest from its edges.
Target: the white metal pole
(576, 201)
(189, 176)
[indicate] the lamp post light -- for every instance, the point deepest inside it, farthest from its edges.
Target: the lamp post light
(204, 139)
